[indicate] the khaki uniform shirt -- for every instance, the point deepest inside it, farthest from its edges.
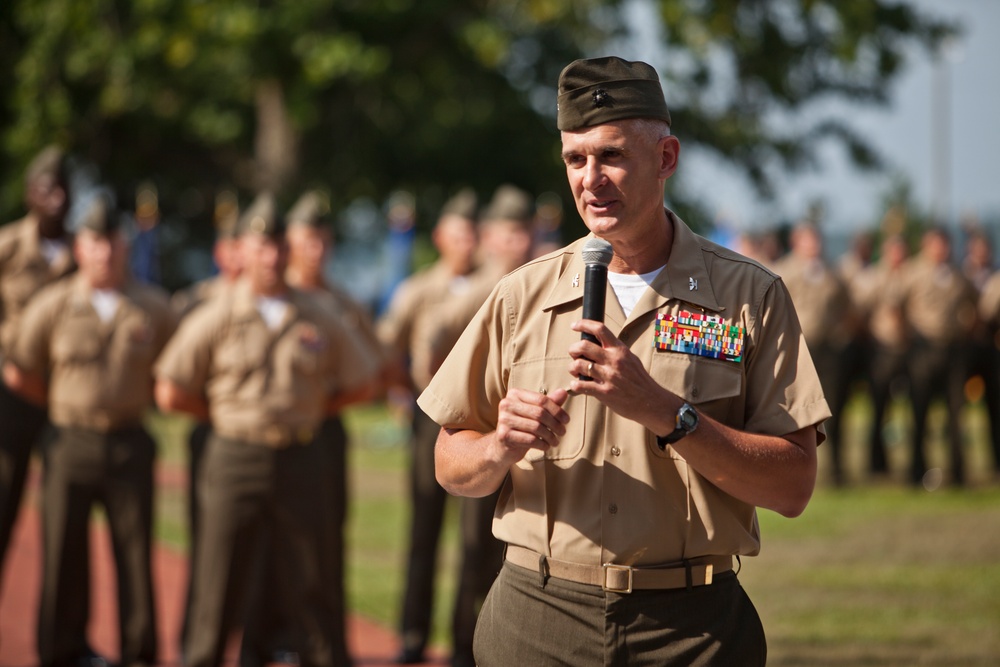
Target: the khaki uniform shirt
(938, 301)
(881, 302)
(265, 386)
(99, 373)
(185, 300)
(23, 271)
(821, 300)
(607, 493)
(407, 328)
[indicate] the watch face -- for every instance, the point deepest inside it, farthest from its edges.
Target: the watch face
(688, 418)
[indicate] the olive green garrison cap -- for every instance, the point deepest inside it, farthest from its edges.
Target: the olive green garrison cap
(601, 90)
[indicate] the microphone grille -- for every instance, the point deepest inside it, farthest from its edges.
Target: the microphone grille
(597, 251)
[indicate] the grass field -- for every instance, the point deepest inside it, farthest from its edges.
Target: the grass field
(873, 574)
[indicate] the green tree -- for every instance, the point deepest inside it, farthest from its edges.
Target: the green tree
(366, 96)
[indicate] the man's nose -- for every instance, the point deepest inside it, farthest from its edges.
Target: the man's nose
(593, 175)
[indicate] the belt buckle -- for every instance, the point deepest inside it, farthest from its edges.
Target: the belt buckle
(617, 568)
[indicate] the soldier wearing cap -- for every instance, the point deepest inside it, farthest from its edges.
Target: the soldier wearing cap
(225, 253)
(829, 323)
(34, 252)
(624, 496)
(264, 366)
(86, 346)
(404, 332)
(309, 244)
(939, 307)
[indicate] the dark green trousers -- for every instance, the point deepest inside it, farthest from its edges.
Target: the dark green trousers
(21, 425)
(257, 501)
(527, 622)
(82, 468)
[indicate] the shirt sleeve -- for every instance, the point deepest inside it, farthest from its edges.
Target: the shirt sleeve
(470, 384)
(187, 357)
(783, 390)
(31, 347)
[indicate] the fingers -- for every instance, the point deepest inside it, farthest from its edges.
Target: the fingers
(532, 419)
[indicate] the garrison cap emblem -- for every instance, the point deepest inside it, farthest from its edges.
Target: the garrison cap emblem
(602, 98)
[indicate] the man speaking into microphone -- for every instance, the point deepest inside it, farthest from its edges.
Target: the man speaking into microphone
(627, 497)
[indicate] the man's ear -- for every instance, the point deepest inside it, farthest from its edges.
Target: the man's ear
(669, 151)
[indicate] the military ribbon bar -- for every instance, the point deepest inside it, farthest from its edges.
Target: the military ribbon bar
(702, 335)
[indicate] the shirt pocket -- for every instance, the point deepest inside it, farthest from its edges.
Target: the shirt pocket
(73, 345)
(242, 353)
(309, 348)
(544, 375)
(712, 386)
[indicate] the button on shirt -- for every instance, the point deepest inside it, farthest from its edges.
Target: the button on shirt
(640, 505)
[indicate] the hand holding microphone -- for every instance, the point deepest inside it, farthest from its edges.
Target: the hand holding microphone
(597, 254)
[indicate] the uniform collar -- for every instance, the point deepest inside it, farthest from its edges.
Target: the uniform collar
(685, 277)
(245, 303)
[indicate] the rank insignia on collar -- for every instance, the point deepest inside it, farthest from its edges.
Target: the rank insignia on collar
(692, 284)
(698, 334)
(576, 280)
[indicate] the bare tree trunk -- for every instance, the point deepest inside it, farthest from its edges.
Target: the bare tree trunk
(276, 149)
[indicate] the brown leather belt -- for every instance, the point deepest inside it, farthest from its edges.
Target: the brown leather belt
(624, 578)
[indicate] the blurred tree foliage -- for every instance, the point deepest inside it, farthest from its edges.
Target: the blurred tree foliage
(366, 96)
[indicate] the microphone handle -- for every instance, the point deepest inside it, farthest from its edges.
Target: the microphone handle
(595, 287)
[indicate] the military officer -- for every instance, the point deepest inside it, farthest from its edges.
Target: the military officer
(225, 252)
(34, 252)
(625, 495)
(404, 331)
(939, 307)
(264, 366)
(309, 244)
(86, 346)
(829, 324)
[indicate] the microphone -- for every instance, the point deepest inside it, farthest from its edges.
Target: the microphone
(597, 254)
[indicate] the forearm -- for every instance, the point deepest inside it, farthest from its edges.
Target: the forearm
(776, 473)
(468, 463)
(30, 386)
(171, 398)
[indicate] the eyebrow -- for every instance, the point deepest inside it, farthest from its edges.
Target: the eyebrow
(617, 148)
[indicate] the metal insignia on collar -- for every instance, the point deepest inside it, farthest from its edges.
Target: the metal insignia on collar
(576, 280)
(602, 98)
(692, 284)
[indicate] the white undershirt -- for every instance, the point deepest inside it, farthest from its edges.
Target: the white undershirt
(105, 302)
(629, 287)
(53, 250)
(272, 310)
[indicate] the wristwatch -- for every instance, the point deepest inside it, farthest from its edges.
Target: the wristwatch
(687, 422)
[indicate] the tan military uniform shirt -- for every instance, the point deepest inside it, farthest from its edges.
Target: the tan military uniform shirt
(24, 270)
(938, 302)
(881, 302)
(265, 386)
(185, 300)
(408, 324)
(607, 493)
(821, 299)
(99, 373)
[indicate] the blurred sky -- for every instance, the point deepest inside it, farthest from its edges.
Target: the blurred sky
(905, 135)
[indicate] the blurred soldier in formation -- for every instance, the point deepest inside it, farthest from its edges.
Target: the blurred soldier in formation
(309, 243)
(939, 306)
(505, 243)
(225, 253)
(977, 265)
(989, 314)
(887, 336)
(829, 325)
(404, 331)
(34, 251)
(264, 366)
(86, 347)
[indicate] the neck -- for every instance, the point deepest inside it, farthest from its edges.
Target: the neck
(644, 254)
(304, 279)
